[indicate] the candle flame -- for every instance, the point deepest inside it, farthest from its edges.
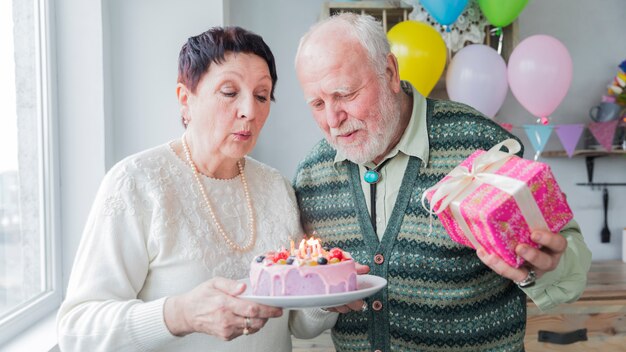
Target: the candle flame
(310, 248)
(312, 241)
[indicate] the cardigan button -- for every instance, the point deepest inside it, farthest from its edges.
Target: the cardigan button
(379, 259)
(377, 305)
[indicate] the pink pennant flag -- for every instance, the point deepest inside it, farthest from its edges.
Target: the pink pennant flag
(507, 126)
(604, 132)
(569, 136)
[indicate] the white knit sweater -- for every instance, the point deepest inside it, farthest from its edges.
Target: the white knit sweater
(149, 236)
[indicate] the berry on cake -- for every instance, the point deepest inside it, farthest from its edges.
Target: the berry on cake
(308, 270)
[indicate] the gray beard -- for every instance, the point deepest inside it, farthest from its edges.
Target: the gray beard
(379, 143)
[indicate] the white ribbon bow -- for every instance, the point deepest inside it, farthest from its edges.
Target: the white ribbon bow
(463, 181)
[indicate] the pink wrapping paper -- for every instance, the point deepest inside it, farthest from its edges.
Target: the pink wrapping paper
(494, 217)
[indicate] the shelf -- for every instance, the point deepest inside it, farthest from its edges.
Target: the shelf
(600, 184)
(368, 5)
(589, 155)
(583, 152)
(389, 13)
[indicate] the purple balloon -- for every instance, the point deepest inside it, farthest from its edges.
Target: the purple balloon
(540, 73)
(477, 77)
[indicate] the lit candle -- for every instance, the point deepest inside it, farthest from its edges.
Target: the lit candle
(302, 248)
(292, 250)
(309, 248)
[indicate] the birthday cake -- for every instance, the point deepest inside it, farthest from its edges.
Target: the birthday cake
(308, 270)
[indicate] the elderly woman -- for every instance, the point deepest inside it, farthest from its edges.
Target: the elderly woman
(172, 228)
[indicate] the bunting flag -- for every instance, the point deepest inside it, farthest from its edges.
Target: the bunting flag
(507, 126)
(538, 136)
(569, 136)
(604, 132)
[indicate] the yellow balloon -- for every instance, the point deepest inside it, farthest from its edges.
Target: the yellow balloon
(421, 54)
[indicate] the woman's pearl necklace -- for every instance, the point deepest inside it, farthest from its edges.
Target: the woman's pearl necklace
(218, 225)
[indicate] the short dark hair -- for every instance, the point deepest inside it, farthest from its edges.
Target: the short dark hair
(200, 51)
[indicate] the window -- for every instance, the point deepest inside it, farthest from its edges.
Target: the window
(29, 282)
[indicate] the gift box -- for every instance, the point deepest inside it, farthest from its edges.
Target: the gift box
(495, 200)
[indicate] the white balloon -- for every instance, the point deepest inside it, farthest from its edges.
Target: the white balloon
(477, 76)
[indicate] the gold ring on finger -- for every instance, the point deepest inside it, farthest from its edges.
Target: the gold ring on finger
(246, 326)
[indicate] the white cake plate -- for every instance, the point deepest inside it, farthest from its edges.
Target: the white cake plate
(366, 285)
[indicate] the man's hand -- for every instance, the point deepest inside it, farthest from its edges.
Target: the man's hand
(541, 260)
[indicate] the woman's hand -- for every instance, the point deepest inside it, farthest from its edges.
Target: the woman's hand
(541, 260)
(213, 308)
(358, 305)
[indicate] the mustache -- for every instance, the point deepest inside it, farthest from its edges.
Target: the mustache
(347, 127)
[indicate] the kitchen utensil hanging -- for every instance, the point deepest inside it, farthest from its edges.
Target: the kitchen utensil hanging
(605, 234)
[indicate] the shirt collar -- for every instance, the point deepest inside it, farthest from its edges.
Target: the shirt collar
(414, 140)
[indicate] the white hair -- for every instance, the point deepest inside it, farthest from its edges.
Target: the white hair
(365, 29)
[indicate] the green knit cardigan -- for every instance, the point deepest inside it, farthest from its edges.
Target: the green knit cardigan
(439, 296)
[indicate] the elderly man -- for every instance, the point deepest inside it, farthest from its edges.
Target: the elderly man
(440, 295)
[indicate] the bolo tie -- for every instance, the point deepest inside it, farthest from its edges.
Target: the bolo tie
(373, 176)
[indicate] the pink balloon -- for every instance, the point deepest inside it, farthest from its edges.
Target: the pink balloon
(540, 74)
(477, 77)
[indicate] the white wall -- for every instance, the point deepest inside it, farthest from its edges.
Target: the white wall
(145, 37)
(117, 69)
(290, 130)
(81, 115)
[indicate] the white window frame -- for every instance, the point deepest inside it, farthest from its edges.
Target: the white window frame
(32, 311)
